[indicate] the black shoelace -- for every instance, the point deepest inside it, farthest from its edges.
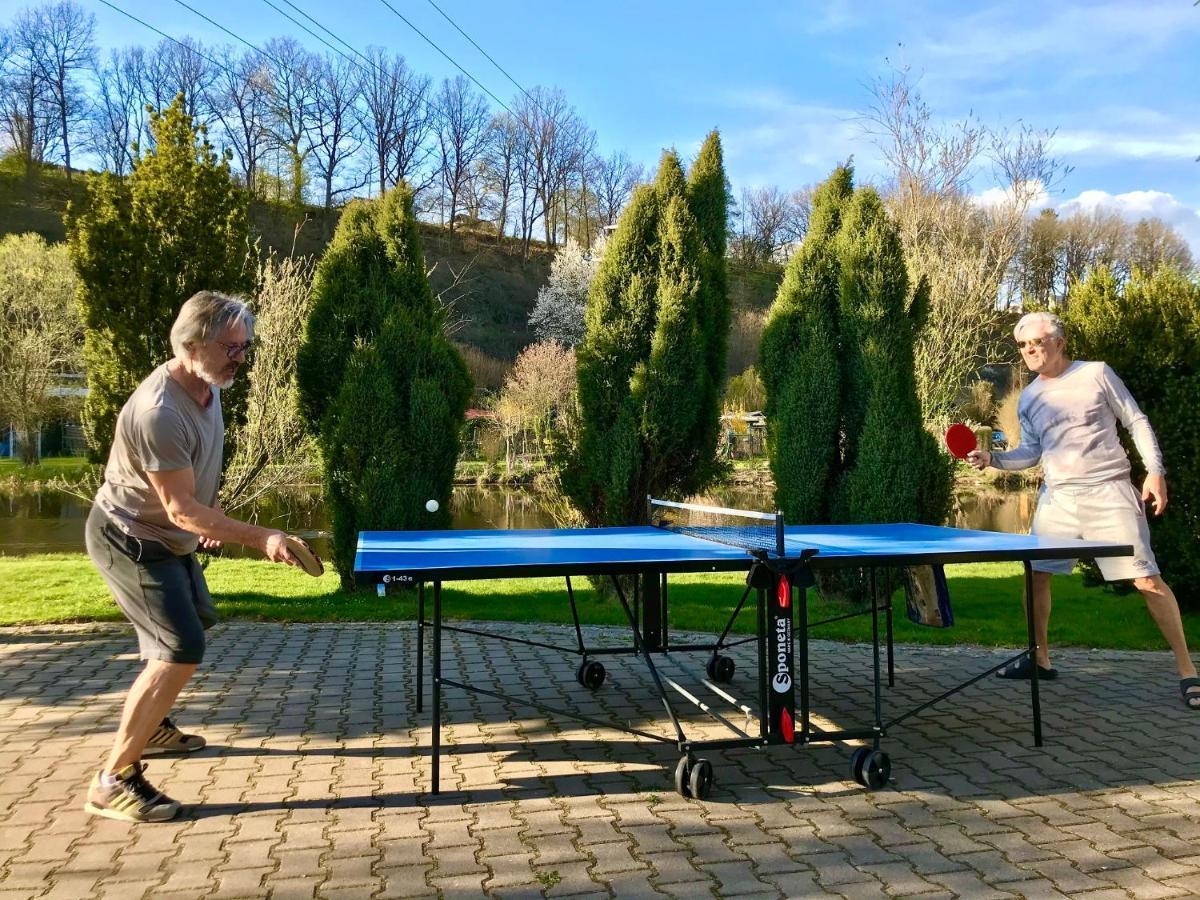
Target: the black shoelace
(137, 785)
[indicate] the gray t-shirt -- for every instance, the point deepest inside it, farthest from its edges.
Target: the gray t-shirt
(1070, 424)
(161, 428)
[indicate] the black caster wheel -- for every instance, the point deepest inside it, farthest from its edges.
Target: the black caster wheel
(700, 779)
(682, 770)
(876, 770)
(590, 674)
(857, 758)
(721, 668)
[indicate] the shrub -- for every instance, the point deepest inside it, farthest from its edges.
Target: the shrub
(39, 335)
(142, 246)
(1148, 331)
(380, 383)
(651, 360)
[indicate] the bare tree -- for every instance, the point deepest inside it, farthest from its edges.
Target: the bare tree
(462, 138)
(118, 113)
(960, 249)
(1098, 238)
(549, 161)
(399, 120)
(290, 70)
(798, 213)
(187, 70)
(240, 100)
(500, 165)
(271, 444)
(767, 213)
(60, 37)
(26, 111)
(334, 137)
(1154, 243)
(616, 177)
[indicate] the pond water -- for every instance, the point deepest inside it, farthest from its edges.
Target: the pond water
(52, 522)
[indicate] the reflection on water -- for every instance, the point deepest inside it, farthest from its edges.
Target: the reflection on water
(1010, 512)
(52, 522)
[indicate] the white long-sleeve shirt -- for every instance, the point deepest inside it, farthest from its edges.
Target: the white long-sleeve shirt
(1070, 424)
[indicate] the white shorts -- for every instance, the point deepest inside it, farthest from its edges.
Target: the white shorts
(1112, 512)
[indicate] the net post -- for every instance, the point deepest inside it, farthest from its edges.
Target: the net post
(649, 510)
(780, 541)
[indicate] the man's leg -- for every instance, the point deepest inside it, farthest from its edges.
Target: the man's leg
(1041, 616)
(149, 700)
(1164, 609)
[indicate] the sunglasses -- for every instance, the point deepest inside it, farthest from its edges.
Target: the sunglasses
(1033, 343)
(232, 350)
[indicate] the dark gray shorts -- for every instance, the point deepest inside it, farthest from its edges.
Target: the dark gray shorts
(163, 595)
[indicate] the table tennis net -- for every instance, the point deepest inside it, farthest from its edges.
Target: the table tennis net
(757, 532)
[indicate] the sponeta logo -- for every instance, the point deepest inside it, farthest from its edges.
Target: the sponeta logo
(781, 682)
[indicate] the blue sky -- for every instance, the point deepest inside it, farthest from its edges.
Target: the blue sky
(787, 83)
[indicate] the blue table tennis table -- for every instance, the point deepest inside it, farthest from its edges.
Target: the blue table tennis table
(779, 561)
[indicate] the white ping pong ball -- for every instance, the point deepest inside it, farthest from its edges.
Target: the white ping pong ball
(431, 505)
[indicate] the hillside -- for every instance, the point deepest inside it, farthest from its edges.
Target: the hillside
(491, 302)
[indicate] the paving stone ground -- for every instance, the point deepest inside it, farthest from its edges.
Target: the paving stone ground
(316, 780)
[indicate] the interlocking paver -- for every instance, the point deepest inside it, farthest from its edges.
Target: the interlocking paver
(316, 781)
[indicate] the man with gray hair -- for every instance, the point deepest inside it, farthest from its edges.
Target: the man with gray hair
(1069, 416)
(157, 504)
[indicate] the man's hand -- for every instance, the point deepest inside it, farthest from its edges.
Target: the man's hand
(980, 459)
(1155, 488)
(210, 544)
(275, 547)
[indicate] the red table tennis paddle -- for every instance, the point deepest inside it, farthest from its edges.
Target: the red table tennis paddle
(960, 440)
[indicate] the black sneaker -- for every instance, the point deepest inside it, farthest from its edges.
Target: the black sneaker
(130, 799)
(169, 739)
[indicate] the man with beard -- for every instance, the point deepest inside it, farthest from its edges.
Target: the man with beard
(1069, 415)
(157, 504)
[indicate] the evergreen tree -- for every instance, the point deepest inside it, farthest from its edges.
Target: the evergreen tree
(647, 387)
(708, 199)
(893, 469)
(800, 364)
(141, 247)
(847, 440)
(380, 384)
(1116, 323)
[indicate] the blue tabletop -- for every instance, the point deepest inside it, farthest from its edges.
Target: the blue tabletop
(462, 555)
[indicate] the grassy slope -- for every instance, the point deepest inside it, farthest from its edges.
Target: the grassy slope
(66, 588)
(494, 297)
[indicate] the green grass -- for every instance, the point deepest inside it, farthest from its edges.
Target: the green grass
(66, 588)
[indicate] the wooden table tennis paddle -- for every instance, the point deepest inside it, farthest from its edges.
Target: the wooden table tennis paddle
(309, 561)
(960, 440)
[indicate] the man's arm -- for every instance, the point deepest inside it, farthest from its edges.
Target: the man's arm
(1137, 423)
(1029, 453)
(176, 489)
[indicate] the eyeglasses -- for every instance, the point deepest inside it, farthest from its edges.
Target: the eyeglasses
(1033, 343)
(232, 350)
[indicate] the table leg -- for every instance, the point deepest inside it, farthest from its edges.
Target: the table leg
(437, 686)
(421, 646)
(1034, 692)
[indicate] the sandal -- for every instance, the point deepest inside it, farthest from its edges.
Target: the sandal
(1190, 688)
(1022, 670)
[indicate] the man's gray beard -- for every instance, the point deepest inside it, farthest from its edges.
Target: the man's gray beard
(213, 378)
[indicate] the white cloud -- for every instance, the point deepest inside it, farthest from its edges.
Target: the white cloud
(1032, 193)
(1135, 205)
(790, 144)
(1180, 145)
(1100, 37)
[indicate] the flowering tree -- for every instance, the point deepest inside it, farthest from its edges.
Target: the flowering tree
(558, 311)
(39, 333)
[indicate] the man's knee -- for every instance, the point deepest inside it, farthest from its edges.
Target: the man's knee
(174, 670)
(1150, 584)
